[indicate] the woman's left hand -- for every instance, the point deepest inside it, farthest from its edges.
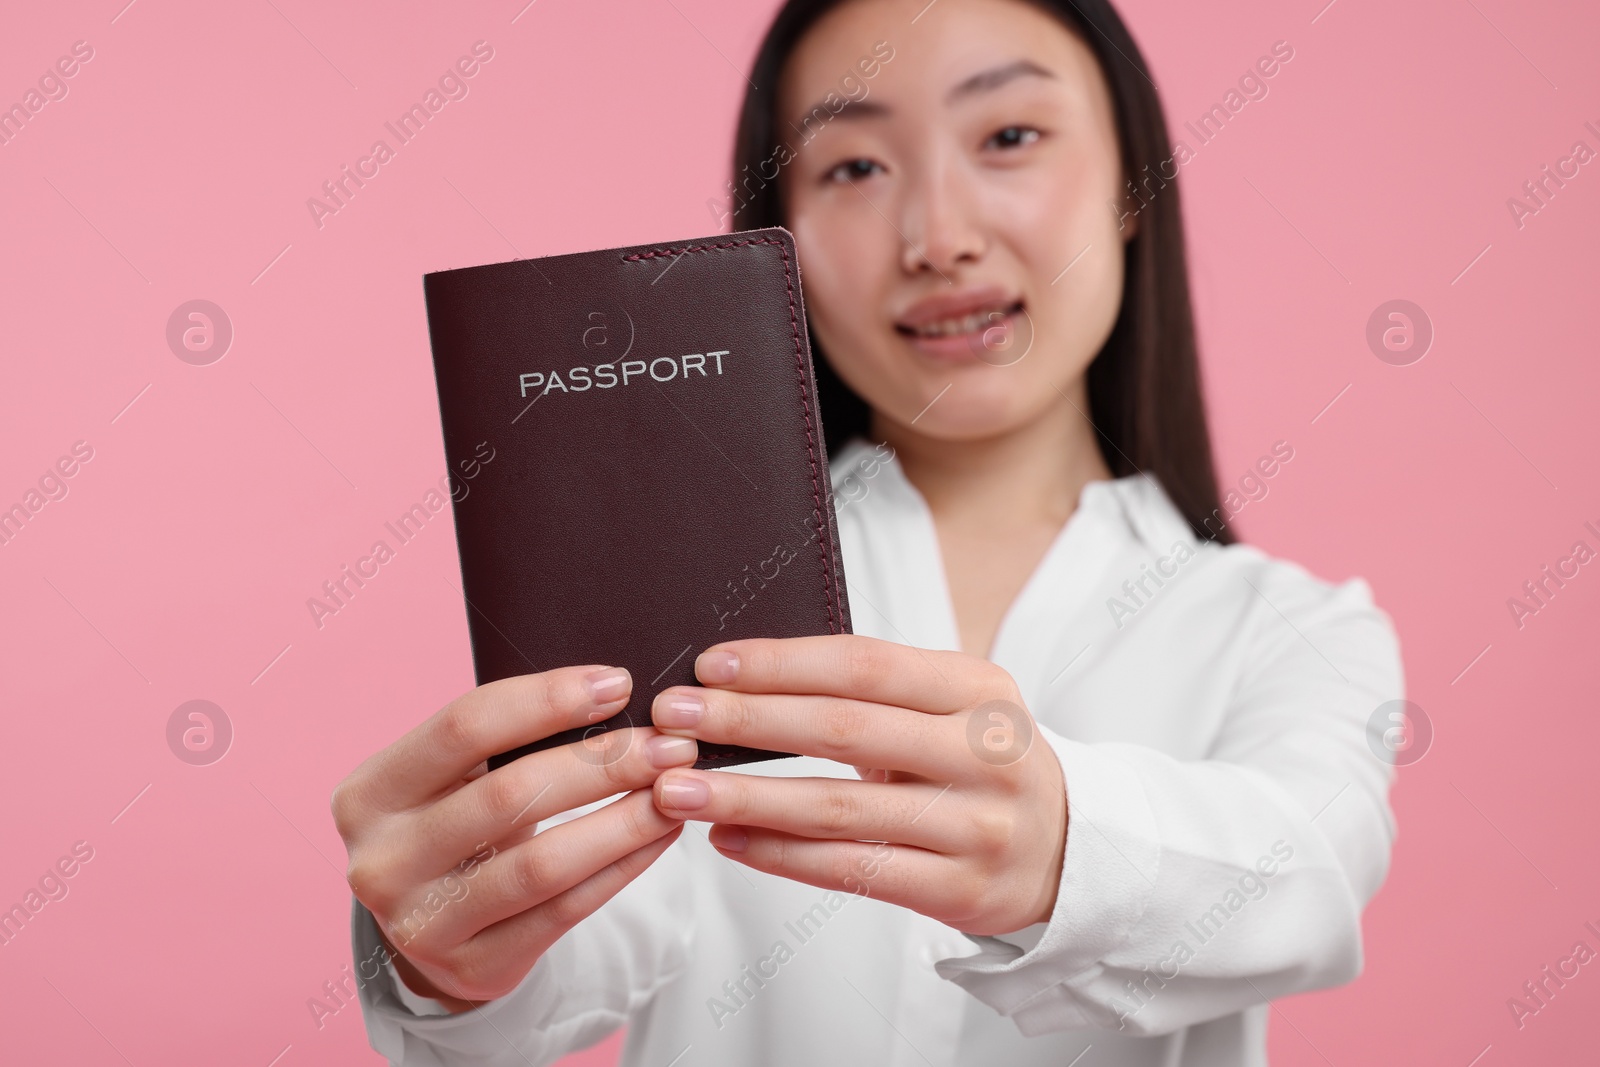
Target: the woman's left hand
(955, 778)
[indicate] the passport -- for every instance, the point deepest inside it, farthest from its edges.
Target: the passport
(660, 479)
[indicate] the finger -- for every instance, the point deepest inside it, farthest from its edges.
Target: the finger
(850, 665)
(898, 874)
(513, 880)
(529, 790)
(826, 808)
(488, 965)
(493, 718)
(835, 728)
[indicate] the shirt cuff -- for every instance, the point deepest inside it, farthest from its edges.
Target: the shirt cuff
(1025, 938)
(1108, 876)
(416, 1003)
(393, 1024)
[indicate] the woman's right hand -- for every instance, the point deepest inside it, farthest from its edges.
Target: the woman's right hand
(445, 855)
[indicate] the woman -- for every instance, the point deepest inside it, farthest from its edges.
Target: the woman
(1112, 787)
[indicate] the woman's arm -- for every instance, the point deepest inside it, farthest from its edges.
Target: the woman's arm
(585, 986)
(1191, 890)
(545, 847)
(1147, 892)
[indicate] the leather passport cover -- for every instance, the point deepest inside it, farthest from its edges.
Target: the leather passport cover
(657, 482)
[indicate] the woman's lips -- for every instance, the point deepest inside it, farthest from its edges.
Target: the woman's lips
(966, 337)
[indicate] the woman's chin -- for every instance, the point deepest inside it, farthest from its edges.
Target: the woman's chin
(967, 412)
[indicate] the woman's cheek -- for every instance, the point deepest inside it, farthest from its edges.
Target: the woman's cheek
(1059, 219)
(1079, 308)
(1080, 317)
(843, 264)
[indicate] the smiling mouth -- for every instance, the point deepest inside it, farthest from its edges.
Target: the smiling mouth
(974, 322)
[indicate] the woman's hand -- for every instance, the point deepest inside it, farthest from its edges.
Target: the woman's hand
(445, 856)
(955, 778)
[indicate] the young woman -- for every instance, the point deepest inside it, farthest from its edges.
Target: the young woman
(1090, 784)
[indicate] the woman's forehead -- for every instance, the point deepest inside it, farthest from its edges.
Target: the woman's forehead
(953, 51)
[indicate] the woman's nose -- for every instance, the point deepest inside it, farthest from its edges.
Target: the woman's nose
(939, 220)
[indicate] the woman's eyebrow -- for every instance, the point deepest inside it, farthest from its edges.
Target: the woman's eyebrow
(994, 77)
(981, 82)
(853, 109)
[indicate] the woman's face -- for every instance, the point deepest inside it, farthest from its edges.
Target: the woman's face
(963, 260)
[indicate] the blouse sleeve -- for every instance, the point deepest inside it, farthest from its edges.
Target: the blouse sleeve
(1194, 889)
(584, 987)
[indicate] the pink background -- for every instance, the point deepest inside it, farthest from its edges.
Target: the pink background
(179, 564)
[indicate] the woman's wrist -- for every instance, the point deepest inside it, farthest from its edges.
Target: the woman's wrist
(417, 983)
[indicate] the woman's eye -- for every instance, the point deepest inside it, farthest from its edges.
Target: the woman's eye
(1014, 137)
(852, 170)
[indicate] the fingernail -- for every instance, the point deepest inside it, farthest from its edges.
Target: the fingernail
(667, 751)
(717, 667)
(684, 793)
(680, 711)
(729, 838)
(608, 686)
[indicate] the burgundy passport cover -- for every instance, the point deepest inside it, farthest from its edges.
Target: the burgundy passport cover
(658, 482)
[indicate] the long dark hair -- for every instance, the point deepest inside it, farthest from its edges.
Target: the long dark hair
(1144, 387)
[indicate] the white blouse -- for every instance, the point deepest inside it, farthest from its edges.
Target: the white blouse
(1228, 820)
